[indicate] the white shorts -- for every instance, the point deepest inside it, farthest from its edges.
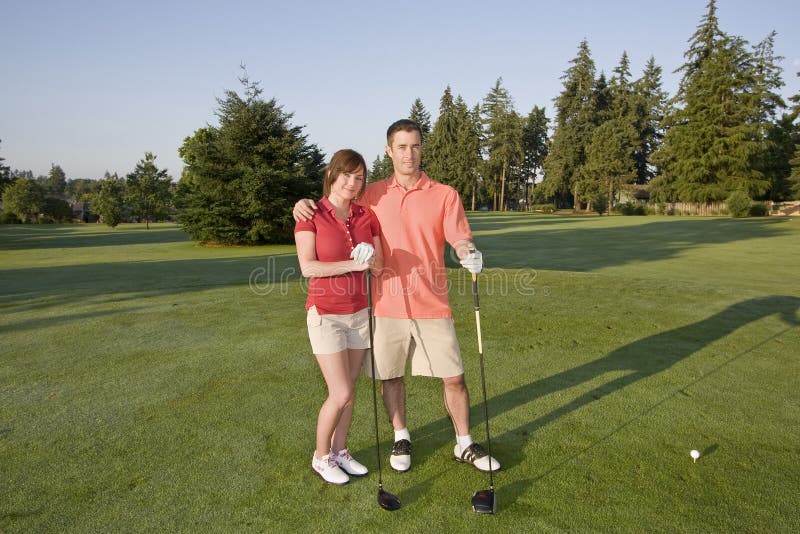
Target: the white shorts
(331, 333)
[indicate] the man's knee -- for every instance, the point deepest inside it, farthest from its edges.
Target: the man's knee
(455, 383)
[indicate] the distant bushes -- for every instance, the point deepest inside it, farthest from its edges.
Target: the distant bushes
(631, 208)
(739, 204)
(759, 209)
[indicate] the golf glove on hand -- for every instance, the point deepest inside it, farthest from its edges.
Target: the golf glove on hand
(362, 252)
(473, 262)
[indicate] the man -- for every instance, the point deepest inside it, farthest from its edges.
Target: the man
(412, 313)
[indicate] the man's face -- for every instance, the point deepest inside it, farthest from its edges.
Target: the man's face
(406, 152)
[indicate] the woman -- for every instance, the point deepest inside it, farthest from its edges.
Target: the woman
(335, 249)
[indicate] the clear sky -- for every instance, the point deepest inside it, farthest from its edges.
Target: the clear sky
(91, 85)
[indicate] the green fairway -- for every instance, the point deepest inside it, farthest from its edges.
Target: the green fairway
(150, 384)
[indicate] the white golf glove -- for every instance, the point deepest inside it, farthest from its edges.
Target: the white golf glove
(473, 262)
(362, 252)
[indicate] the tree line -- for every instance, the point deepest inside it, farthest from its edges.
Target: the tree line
(144, 195)
(726, 134)
(726, 131)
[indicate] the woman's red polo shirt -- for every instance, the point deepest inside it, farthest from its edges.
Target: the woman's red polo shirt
(335, 240)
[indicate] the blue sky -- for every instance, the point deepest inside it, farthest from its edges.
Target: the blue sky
(93, 85)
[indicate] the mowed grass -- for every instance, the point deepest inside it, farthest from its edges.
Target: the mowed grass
(149, 384)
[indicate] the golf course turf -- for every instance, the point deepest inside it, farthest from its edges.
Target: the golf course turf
(151, 384)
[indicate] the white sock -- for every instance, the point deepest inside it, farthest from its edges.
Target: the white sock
(464, 442)
(402, 434)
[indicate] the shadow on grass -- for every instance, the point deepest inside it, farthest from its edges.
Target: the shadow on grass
(43, 236)
(51, 287)
(585, 244)
(640, 360)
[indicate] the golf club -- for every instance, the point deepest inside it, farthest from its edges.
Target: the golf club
(483, 501)
(386, 500)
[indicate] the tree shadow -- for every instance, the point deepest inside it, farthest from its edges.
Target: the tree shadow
(41, 236)
(638, 360)
(43, 288)
(579, 244)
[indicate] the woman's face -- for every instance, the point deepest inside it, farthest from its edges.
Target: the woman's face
(348, 185)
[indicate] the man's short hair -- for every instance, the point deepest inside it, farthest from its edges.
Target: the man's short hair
(403, 125)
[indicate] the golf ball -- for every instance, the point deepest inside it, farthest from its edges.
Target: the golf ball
(694, 454)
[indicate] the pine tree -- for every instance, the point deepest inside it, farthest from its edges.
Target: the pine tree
(794, 177)
(609, 161)
(440, 151)
(503, 130)
(148, 190)
(421, 116)
(701, 45)
(468, 155)
(242, 178)
(56, 182)
(650, 102)
(775, 134)
(793, 181)
(5, 175)
(574, 124)
(711, 141)
(535, 147)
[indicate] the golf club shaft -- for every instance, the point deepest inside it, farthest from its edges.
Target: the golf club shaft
(483, 376)
(374, 387)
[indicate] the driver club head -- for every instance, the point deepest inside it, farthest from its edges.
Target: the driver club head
(388, 501)
(483, 502)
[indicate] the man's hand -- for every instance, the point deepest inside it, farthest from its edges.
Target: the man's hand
(362, 252)
(304, 210)
(473, 262)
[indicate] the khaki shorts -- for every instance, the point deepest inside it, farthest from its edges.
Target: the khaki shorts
(431, 344)
(330, 333)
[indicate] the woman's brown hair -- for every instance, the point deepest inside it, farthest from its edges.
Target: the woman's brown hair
(345, 160)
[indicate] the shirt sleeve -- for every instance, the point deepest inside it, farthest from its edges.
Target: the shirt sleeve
(374, 225)
(456, 225)
(305, 226)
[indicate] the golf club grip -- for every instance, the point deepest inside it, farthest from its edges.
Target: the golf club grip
(477, 311)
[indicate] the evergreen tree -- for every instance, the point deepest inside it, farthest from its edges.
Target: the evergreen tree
(56, 183)
(5, 175)
(374, 173)
(793, 181)
(468, 155)
(574, 124)
(702, 44)
(382, 168)
(148, 190)
(650, 106)
(609, 161)
(440, 151)
(421, 116)
(609, 155)
(794, 177)
(711, 141)
(503, 130)
(534, 147)
(242, 178)
(776, 134)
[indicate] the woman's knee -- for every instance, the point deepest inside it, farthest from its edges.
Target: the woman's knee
(342, 397)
